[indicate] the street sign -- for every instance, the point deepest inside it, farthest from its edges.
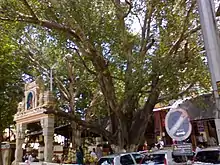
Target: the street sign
(177, 124)
(182, 149)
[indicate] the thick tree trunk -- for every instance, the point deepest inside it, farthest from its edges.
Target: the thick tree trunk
(138, 128)
(142, 117)
(76, 135)
(132, 148)
(1, 138)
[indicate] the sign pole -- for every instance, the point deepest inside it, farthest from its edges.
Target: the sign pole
(211, 40)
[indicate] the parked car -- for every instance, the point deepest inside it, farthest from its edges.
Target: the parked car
(159, 157)
(165, 157)
(132, 158)
(207, 156)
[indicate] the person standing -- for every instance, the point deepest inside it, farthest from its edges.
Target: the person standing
(160, 144)
(93, 154)
(140, 148)
(80, 156)
(93, 157)
(25, 157)
(30, 158)
(201, 139)
(99, 151)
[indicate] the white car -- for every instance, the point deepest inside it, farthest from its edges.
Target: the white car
(165, 157)
(160, 157)
(132, 158)
(207, 156)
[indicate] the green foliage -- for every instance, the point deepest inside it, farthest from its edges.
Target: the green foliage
(113, 69)
(10, 82)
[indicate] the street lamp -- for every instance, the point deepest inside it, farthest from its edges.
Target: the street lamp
(67, 56)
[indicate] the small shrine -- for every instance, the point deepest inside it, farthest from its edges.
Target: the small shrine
(30, 110)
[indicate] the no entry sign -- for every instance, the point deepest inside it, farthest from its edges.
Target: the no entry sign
(177, 124)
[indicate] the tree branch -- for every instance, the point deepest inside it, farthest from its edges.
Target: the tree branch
(130, 7)
(45, 23)
(169, 97)
(182, 35)
(139, 20)
(147, 27)
(144, 29)
(30, 9)
(41, 68)
(62, 88)
(92, 104)
(145, 36)
(192, 31)
(120, 13)
(83, 62)
(103, 73)
(92, 126)
(149, 45)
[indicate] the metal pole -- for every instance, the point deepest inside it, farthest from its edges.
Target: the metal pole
(51, 79)
(211, 40)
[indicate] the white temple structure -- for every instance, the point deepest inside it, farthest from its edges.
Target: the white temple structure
(30, 110)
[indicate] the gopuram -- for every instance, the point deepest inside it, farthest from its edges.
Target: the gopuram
(30, 110)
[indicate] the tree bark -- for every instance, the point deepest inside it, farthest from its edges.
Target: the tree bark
(141, 118)
(76, 135)
(1, 139)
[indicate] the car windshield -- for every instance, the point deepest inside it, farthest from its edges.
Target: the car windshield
(181, 159)
(208, 157)
(105, 160)
(156, 158)
(137, 157)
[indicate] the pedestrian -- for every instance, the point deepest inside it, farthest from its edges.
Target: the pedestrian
(160, 144)
(93, 157)
(30, 158)
(212, 141)
(140, 148)
(99, 151)
(201, 139)
(111, 151)
(79, 156)
(93, 154)
(25, 157)
(145, 147)
(153, 147)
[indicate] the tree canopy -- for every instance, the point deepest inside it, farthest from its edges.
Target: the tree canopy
(11, 80)
(125, 56)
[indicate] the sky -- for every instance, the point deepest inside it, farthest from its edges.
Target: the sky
(136, 28)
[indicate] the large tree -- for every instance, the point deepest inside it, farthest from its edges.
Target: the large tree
(127, 56)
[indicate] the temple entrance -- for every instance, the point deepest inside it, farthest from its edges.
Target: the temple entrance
(31, 110)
